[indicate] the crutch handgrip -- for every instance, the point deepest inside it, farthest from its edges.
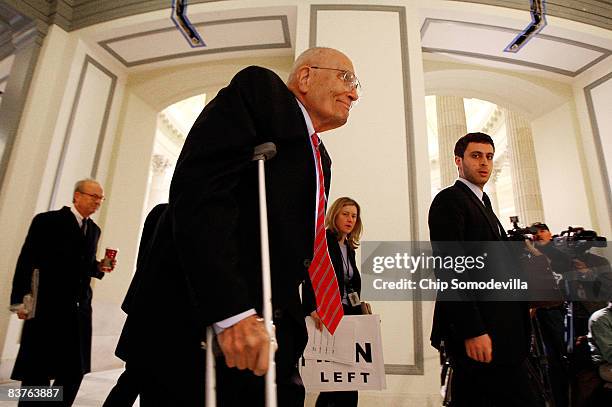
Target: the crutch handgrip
(264, 151)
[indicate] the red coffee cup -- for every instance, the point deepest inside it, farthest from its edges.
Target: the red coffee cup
(109, 255)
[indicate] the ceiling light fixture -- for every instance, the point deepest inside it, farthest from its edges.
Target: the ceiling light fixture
(179, 17)
(538, 21)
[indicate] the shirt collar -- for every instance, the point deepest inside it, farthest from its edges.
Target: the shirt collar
(477, 191)
(76, 213)
(307, 119)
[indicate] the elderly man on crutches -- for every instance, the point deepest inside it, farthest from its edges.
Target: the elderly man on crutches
(205, 267)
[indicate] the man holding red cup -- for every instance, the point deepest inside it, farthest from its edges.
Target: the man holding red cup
(54, 272)
(108, 262)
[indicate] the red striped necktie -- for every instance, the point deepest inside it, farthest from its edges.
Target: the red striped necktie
(321, 270)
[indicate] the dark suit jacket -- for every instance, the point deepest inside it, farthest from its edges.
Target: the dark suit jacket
(205, 261)
(308, 297)
(58, 338)
(457, 220)
(146, 239)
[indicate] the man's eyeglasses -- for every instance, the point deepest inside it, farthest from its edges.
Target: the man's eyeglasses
(347, 76)
(94, 196)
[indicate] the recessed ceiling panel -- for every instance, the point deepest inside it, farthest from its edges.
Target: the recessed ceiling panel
(237, 34)
(486, 42)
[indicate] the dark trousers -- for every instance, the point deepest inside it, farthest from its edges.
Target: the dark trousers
(476, 384)
(125, 391)
(179, 380)
(176, 381)
(289, 388)
(69, 383)
(337, 399)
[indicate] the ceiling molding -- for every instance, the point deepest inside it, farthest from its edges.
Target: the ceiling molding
(76, 14)
(90, 12)
(34, 9)
(16, 30)
(591, 12)
(282, 19)
(172, 132)
(514, 59)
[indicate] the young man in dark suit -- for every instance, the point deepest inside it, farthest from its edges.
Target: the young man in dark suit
(56, 342)
(487, 340)
(205, 267)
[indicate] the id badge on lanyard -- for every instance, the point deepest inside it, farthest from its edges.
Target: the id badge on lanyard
(353, 298)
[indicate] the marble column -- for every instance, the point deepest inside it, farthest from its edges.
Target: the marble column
(524, 169)
(491, 188)
(451, 127)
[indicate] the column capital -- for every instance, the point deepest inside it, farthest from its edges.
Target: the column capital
(495, 174)
(160, 163)
(493, 121)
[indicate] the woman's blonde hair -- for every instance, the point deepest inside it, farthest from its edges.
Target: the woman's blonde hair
(352, 238)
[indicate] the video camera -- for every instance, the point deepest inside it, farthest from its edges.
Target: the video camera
(519, 234)
(575, 241)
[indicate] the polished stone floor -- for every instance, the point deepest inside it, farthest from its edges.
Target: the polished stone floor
(92, 393)
(95, 388)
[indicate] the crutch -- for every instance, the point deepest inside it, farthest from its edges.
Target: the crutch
(262, 153)
(211, 390)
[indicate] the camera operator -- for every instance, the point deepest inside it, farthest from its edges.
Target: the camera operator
(587, 277)
(586, 281)
(560, 262)
(544, 265)
(596, 270)
(600, 341)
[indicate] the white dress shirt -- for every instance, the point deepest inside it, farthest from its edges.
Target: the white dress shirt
(77, 215)
(475, 188)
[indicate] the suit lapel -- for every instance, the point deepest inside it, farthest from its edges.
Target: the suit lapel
(500, 227)
(492, 220)
(71, 220)
(75, 229)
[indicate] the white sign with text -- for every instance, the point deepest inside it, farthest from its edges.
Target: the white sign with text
(364, 371)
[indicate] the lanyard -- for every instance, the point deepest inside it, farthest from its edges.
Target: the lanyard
(345, 264)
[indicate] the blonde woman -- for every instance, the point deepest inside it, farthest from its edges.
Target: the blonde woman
(343, 227)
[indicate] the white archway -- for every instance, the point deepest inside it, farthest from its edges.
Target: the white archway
(526, 96)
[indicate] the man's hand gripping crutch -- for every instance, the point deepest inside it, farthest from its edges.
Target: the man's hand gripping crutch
(251, 343)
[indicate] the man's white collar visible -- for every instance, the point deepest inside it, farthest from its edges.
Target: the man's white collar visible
(307, 119)
(76, 213)
(475, 189)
